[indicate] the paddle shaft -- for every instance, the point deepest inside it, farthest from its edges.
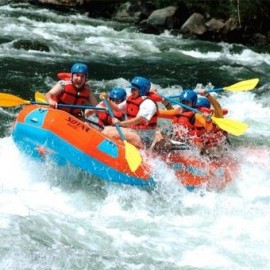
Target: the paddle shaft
(181, 104)
(234, 127)
(93, 122)
(70, 106)
(237, 87)
(112, 115)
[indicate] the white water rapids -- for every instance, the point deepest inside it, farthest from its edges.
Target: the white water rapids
(61, 218)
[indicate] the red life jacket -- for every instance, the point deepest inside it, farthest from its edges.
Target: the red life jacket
(105, 119)
(154, 96)
(133, 106)
(73, 97)
(190, 133)
(64, 76)
(216, 136)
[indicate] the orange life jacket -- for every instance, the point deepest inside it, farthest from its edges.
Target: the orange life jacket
(73, 97)
(187, 120)
(105, 119)
(133, 106)
(217, 136)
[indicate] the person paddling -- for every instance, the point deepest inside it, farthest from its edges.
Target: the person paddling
(75, 91)
(188, 126)
(141, 111)
(116, 95)
(217, 140)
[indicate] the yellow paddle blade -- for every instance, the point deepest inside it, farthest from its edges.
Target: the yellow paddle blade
(133, 156)
(8, 100)
(234, 127)
(39, 97)
(243, 86)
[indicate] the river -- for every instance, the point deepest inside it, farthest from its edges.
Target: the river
(62, 218)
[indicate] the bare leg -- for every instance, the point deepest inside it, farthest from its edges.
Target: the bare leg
(130, 135)
(158, 138)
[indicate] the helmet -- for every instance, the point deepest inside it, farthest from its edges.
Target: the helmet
(118, 93)
(203, 102)
(79, 68)
(189, 95)
(142, 84)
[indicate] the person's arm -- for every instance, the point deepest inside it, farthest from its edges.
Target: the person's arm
(113, 105)
(54, 92)
(147, 110)
(216, 105)
(92, 102)
(202, 120)
(130, 122)
(169, 114)
(167, 105)
(157, 98)
(92, 99)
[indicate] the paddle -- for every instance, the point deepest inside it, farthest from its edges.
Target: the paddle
(8, 100)
(41, 98)
(234, 127)
(132, 154)
(237, 87)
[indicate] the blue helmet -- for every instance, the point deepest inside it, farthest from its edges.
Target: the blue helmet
(188, 95)
(118, 93)
(203, 102)
(142, 84)
(79, 68)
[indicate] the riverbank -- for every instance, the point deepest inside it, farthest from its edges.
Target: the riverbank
(232, 24)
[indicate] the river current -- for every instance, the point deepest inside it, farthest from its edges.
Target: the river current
(62, 218)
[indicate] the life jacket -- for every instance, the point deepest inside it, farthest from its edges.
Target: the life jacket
(186, 131)
(217, 136)
(64, 76)
(105, 119)
(73, 97)
(155, 97)
(187, 120)
(132, 108)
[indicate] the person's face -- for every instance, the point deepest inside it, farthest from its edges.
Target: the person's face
(134, 92)
(186, 102)
(78, 80)
(116, 101)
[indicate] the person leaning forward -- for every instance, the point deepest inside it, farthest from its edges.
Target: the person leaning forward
(116, 95)
(188, 126)
(141, 112)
